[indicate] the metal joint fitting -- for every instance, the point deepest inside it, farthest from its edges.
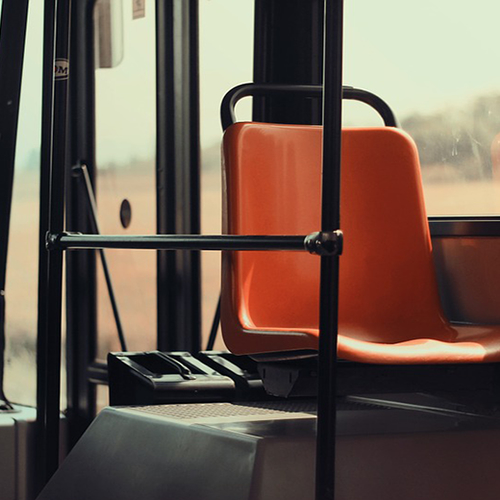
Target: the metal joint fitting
(325, 243)
(53, 241)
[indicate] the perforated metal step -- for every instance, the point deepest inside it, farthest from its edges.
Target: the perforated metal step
(248, 409)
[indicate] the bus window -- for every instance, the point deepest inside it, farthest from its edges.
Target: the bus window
(22, 261)
(125, 159)
(427, 62)
(223, 65)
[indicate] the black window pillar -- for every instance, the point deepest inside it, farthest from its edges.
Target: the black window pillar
(54, 161)
(178, 172)
(288, 49)
(81, 296)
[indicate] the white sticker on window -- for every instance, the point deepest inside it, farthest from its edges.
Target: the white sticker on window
(61, 69)
(138, 9)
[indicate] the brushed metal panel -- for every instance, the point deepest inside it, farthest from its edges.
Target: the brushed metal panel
(468, 271)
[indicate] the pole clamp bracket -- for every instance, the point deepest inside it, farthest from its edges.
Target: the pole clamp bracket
(53, 240)
(325, 243)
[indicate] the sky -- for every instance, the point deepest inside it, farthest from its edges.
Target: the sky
(419, 56)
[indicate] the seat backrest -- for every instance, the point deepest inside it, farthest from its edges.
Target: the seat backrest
(272, 185)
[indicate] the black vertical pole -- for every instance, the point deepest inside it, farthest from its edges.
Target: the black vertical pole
(49, 356)
(81, 285)
(45, 160)
(12, 40)
(330, 221)
(178, 172)
(288, 49)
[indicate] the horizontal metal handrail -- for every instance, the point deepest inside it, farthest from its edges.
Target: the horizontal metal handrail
(315, 243)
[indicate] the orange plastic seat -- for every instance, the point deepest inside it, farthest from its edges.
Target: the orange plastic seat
(389, 306)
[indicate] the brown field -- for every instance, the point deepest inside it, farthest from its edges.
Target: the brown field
(133, 272)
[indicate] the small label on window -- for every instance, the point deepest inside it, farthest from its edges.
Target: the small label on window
(138, 9)
(61, 69)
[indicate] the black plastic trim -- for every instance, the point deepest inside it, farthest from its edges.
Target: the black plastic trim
(464, 226)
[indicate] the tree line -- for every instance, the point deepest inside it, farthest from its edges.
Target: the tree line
(458, 140)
